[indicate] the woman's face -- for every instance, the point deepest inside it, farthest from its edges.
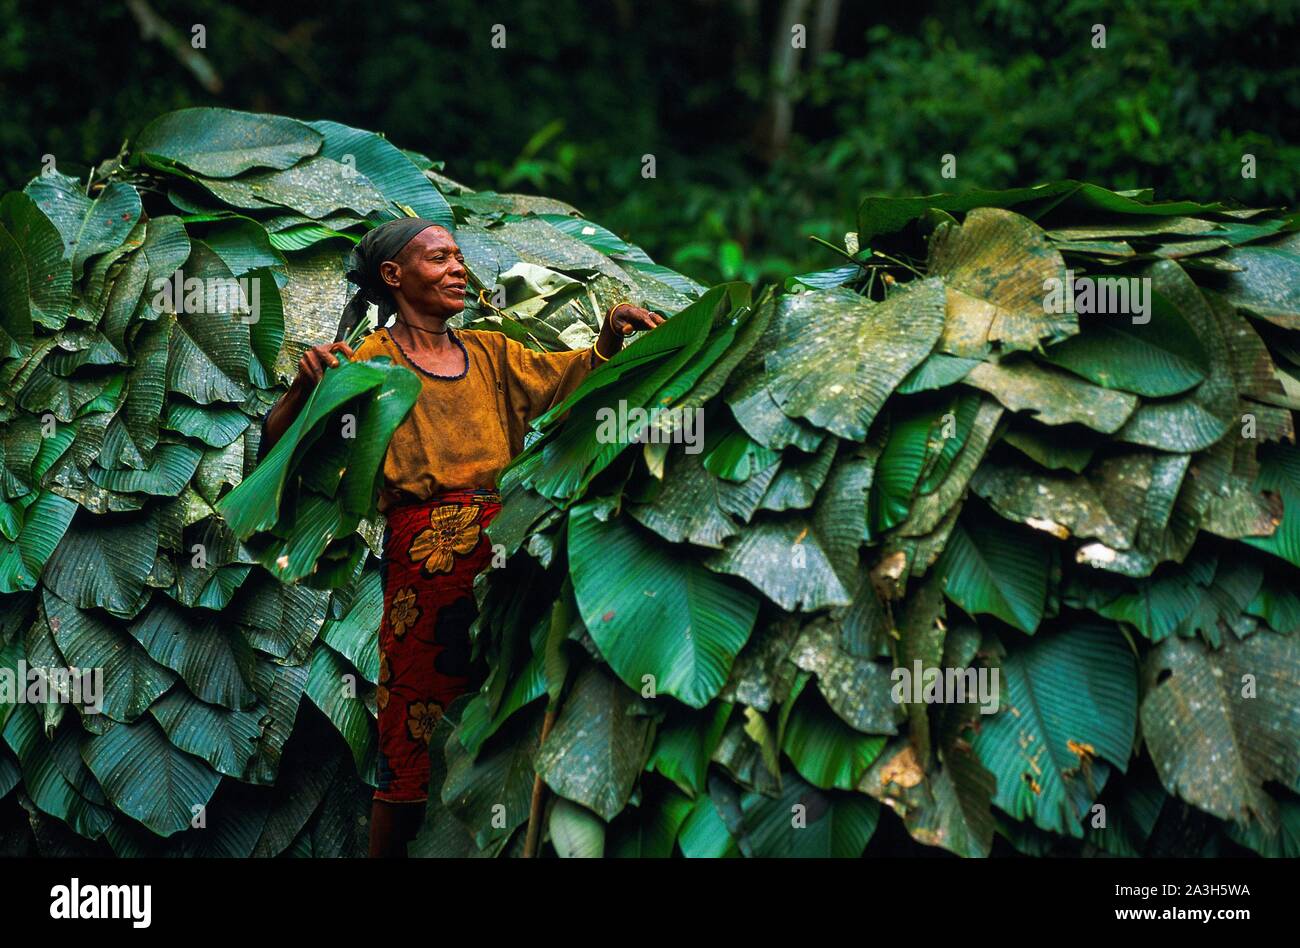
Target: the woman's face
(429, 274)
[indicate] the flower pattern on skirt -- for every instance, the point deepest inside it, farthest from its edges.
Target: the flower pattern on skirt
(453, 531)
(404, 611)
(432, 552)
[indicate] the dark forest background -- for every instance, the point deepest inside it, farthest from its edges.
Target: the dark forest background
(757, 145)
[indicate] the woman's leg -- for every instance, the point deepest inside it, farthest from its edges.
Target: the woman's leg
(392, 827)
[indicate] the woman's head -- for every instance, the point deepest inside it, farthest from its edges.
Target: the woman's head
(428, 274)
(409, 264)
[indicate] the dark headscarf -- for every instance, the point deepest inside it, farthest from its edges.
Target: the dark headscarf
(382, 243)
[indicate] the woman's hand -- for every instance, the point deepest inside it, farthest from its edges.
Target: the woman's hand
(316, 360)
(623, 319)
(627, 318)
(311, 367)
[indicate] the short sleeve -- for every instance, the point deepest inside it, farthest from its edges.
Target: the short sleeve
(371, 345)
(541, 380)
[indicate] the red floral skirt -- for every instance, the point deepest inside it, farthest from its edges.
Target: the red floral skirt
(432, 552)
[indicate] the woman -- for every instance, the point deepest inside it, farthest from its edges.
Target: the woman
(479, 391)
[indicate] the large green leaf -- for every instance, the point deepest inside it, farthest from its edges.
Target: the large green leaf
(225, 739)
(1204, 595)
(628, 583)
(599, 744)
(317, 187)
(44, 780)
(1068, 705)
(1051, 396)
(88, 227)
(704, 835)
(651, 831)
(805, 562)
(996, 269)
(843, 356)
(44, 525)
(685, 742)
(280, 689)
(103, 562)
(148, 778)
(173, 466)
(1156, 358)
(576, 832)
(355, 635)
(826, 751)
(215, 425)
(223, 143)
(807, 823)
(757, 411)
(490, 792)
(1198, 419)
(914, 444)
(929, 509)
(993, 568)
(131, 436)
(210, 348)
(689, 505)
(49, 273)
(1220, 724)
(654, 371)
(1268, 284)
(386, 168)
(243, 246)
(132, 680)
(333, 687)
(255, 504)
(212, 660)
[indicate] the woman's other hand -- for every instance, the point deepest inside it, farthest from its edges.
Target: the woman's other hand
(314, 362)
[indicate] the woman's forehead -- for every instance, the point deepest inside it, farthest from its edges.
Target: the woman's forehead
(432, 237)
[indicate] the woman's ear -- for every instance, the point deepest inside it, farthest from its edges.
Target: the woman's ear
(390, 271)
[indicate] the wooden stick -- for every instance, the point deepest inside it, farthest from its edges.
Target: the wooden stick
(539, 789)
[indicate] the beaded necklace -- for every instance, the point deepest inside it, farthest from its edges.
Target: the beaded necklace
(433, 375)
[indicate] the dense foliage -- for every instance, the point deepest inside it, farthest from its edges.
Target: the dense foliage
(915, 461)
(136, 369)
(907, 460)
(1014, 90)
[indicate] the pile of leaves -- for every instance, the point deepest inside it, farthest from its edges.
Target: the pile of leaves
(237, 713)
(951, 454)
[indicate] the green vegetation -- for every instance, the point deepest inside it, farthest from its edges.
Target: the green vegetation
(909, 459)
(912, 462)
(1014, 90)
(149, 319)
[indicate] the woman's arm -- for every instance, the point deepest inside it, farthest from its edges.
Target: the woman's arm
(311, 367)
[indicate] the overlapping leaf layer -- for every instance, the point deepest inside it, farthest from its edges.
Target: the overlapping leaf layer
(992, 523)
(148, 319)
(1034, 445)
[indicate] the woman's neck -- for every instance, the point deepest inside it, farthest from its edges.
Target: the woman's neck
(420, 332)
